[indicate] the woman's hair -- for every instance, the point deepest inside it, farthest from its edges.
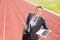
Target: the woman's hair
(39, 7)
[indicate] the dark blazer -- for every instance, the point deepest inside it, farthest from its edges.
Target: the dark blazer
(40, 22)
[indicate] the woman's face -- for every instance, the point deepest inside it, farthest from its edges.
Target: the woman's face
(39, 11)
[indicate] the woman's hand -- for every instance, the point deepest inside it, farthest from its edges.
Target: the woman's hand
(26, 27)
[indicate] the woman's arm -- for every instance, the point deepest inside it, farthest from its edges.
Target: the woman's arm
(27, 20)
(44, 25)
(27, 23)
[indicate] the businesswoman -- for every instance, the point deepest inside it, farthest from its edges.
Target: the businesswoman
(33, 24)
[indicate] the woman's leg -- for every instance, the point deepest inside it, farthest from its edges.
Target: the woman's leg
(26, 37)
(34, 37)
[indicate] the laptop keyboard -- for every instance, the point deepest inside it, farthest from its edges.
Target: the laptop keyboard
(45, 33)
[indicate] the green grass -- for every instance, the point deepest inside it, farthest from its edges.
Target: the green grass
(53, 5)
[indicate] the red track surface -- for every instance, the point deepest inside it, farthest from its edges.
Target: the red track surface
(11, 14)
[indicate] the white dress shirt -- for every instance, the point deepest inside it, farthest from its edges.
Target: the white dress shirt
(32, 22)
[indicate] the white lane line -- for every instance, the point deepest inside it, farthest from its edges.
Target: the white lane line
(4, 19)
(56, 35)
(18, 12)
(57, 14)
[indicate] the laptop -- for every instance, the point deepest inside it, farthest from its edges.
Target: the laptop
(43, 32)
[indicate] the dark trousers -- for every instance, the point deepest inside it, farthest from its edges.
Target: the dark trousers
(30, 37)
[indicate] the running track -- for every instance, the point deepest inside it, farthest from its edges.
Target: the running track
(13, 14)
